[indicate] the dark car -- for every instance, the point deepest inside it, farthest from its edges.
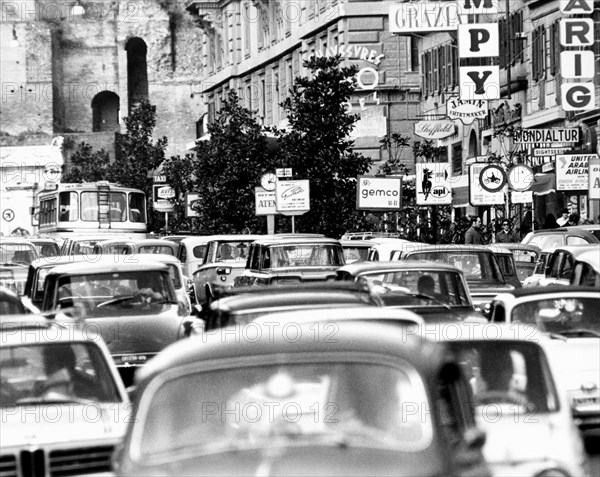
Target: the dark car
(16, 254)
(244, 304)
(581, 235)
(131, 303)
(477, 262)
(10, 303)
(435, 291)
(369, 400)
(525, 258)
(562, 261)
(280, 260)
(507, 263)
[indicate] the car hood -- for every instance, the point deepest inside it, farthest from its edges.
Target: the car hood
(138, 333)
(577, 361)
(487, 289)
(35, 424)
(516, 437)
(299, 461)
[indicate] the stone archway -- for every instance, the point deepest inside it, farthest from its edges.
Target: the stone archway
(105, 112)
(137, 71)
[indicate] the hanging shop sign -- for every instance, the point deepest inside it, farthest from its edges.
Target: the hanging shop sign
(594, 163)
(479, 82)
(536, 136)
(466, 111)
(478, 196)
(520, 177)
(433, 183)
(438, 129)
(378, 193)
(550, 151)
(572, 171)
(478, 40)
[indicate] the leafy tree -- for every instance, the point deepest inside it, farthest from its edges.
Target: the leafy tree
(138, 156)
(181, 175)
(317, 147)
(395, 144)
(86, 165)
(229, 167)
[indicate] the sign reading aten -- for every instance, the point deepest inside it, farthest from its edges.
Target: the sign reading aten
(379, 193)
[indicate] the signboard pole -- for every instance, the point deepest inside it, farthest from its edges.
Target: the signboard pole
(166, 221)
(293, 224)
(271, 224)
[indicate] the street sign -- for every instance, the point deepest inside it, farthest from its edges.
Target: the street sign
(285, 172)
(378, 193)
(191, 199)
(292, 197)
(433, 184)
(478, 196)
(492, 178)
(572, 171)
(159, 178)
(264, 201)
(525, 197)
(165, 192)
(8, 215)
(534, 136)
(520, 177)
(550, 151)
(161, 193)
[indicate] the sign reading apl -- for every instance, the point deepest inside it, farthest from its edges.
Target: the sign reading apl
(433, 184)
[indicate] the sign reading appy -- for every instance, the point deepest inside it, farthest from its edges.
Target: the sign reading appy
(479, 82)
(479, 40)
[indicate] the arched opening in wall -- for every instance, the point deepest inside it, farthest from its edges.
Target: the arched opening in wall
(137, 71)
(473, 145)
(105, 112)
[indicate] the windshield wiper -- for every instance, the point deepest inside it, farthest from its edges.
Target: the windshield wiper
(114, 301)
(423, 296)
(580, 333)
(53, 400)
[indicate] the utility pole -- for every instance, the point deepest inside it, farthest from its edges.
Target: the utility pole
(509, 48)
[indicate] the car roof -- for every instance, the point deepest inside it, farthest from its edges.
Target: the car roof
(361, 267)
(357, 243)
(591, 257)
(551, 289)
(33, 328)
(293, 296)
(158, 257)
(519, 246)
(349, 337)
(107, 264)
(15, 240)
(289, 240)
(61, 260)
(499, 250)
(577, 250)
(450, 247)
(459, 332)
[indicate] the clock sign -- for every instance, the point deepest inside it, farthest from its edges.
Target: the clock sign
(267, 181)
(520, 177)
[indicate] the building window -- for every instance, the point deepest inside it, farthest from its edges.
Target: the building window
(414, 53)
(275, 97)
(263, 98)
(510, 35)
(105, 112)
(538, 53)
(137, 72)
(457, 158)
(440, 69)
(246, 21)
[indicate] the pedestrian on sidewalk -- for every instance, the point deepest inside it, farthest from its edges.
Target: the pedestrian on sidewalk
(474, 234)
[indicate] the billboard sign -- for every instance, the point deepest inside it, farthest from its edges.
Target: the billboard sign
(292, 197)
(572, 171)
(433, 183)
(477, 194)
(378, 193)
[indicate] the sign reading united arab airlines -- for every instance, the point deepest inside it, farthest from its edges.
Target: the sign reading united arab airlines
(378, 193)
(572, 171)
(433, 183)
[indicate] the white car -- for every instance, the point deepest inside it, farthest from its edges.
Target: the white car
(63, 405)
(519, 404)
(569, 314)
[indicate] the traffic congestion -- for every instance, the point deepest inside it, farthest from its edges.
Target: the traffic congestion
(298, 354)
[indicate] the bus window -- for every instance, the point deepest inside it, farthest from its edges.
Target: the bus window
(117, 207)
(68, 206)
(89, 206)
(137, 207)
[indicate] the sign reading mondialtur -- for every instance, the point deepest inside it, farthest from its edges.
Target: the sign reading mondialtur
(572, 171)
(438, 129)
(535, 136)
(466, 111)
(378, 193)
(292, 197)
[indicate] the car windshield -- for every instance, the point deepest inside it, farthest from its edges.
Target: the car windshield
(547, 240)
(254, 405)
(124, 293)
(442, 286)
(507, 376)
(355, 254)
(562, 315)
(303, 255)
(156, 249)
(477, 266)
(50, 372)
(47, 249)
(237, 250)
(17, 253)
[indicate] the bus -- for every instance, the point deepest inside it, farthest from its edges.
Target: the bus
(91, 208)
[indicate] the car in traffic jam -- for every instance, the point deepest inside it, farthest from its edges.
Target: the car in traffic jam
(297, 354)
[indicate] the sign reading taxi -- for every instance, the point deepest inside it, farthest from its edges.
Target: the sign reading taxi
(292, 197)
(379, 193)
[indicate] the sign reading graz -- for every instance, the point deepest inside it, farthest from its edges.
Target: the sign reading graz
(466, 110)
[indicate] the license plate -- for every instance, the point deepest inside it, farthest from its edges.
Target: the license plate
(587, 401)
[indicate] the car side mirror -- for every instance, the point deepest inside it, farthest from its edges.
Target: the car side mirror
(474, 438)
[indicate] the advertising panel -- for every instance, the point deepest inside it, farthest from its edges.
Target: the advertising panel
(433, 183)
(478, 195)
(292, 197)
(379, 193)
(572, 171)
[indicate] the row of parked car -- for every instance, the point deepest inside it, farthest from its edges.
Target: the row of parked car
(375, 367)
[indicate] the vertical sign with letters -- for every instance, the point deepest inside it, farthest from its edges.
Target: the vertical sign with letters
(478, 40)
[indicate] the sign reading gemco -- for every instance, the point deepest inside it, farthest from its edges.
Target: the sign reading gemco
(378, 193)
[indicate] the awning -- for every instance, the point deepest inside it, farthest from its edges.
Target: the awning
(544, 183)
